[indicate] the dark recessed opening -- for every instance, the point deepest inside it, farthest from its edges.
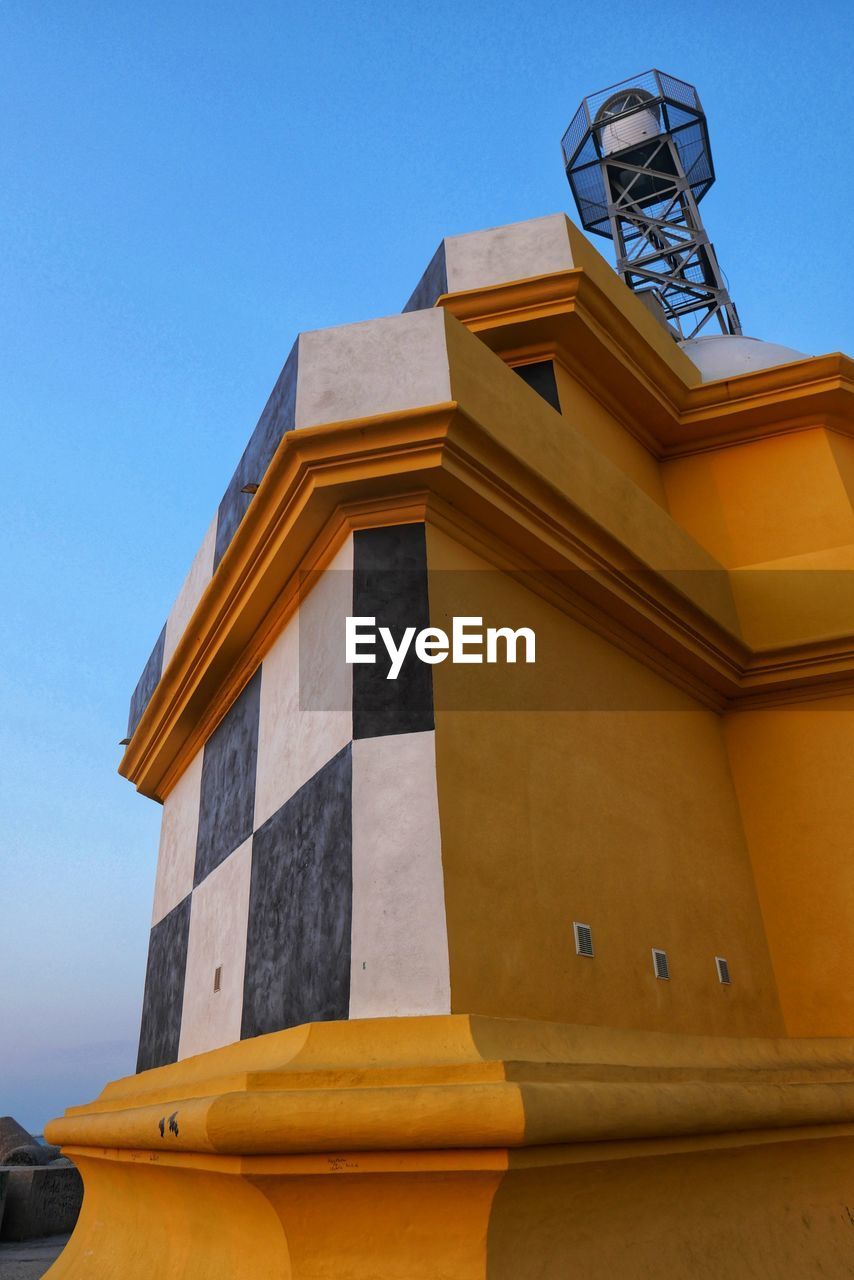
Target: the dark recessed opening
(540, 377)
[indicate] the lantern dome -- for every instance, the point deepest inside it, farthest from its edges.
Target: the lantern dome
(719, 355)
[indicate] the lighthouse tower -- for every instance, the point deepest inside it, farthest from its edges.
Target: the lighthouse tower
(476, 969)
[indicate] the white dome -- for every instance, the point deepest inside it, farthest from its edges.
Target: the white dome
(723, 355)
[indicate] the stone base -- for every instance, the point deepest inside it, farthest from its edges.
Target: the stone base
(418, 1149)
(41, 1200)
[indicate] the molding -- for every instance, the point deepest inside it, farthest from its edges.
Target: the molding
(462, 1081)
(425, 1147)
(570, 318)
(325, 481)
(313, 474)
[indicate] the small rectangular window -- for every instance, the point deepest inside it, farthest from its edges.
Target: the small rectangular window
(723, 971)
(583, 939)
(660, 965)
(218, 978)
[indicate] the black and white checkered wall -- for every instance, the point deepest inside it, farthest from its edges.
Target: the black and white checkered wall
(299, 875)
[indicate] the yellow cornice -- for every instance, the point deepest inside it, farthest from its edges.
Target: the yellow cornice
(438, 463)
(459, 1081)
(567, 316)
(293, 525)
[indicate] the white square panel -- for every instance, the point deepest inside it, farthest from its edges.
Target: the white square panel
(372, 367)
(201, 572)
(306, 690)
(219, 915)
(517, 251)
(178, 831)
(399, 939)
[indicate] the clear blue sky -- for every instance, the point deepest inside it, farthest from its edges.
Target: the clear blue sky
(183, 188)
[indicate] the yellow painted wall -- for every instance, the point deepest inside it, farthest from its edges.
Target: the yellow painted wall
(843, 453)
(579, 470)
(767, 1212)
(742, 1208)
(586, 414)
(415, 1227)
(797, 599)
(624, 818)
(794, 774)
(764, 500)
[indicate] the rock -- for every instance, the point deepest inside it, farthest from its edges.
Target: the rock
(40, 1201)
(19, 1147)
(33, 1154)
(13, 1135)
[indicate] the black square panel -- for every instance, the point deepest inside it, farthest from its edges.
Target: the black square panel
(432, 284)
(300, 905)
(390, 584)
(147, 683)
(227, 804)
(164, 989)
(275, 421)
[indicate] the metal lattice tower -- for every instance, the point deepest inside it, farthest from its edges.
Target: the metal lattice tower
(638, 160)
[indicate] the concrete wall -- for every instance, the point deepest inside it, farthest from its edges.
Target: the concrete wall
(621, 814)
(585, 414)
(794, 774)
(766, 500)
(39, 1201)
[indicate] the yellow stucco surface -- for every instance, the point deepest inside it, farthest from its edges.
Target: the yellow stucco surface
(760, 1212)
(621, 815)
(469, 1148)
(794, 776)
(763, 500)
(584, 413)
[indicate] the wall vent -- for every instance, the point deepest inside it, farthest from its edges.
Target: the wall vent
(723, 970)
(659, 963)
(218, 978)
(583, 939)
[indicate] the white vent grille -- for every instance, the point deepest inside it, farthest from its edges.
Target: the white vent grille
(583, 939)
(723, 970)
(659, 964)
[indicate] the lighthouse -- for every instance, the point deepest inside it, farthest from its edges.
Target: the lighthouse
(526, 968)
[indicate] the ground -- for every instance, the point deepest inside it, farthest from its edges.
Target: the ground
(29, 1259)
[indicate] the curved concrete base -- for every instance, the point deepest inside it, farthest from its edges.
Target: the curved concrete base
(479, 1148)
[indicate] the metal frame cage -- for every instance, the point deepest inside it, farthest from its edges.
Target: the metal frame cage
(638, 161)
(680, 114)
